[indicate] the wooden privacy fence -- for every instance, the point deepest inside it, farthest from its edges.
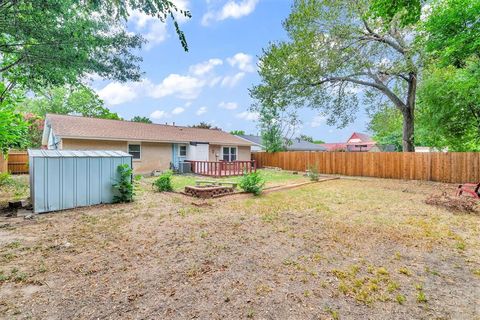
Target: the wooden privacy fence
(454, 167)
(16, 162)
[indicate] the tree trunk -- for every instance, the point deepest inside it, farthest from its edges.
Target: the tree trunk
(408, 141)
(408, 131)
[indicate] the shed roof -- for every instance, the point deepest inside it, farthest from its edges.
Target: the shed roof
(66, 126)
(77, 154)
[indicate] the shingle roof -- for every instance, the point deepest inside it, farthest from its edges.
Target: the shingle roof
(93, 128)
(296, 144)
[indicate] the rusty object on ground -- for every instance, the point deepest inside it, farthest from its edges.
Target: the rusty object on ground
(209, 191)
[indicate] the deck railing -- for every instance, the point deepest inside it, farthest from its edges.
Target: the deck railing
(223, 168)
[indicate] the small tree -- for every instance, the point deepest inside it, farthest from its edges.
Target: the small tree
(124, 185)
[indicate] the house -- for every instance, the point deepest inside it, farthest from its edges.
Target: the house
(292, 145)
(358, 142)
(153, 146)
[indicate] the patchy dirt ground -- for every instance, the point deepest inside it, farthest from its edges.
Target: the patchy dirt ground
(341, 249)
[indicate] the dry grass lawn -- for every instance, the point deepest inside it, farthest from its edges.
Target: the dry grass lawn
(341, 249)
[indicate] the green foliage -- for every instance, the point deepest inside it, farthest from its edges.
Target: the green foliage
(5, 179)
(252, 183)
(449, 107)
(124, 186)
(141, 119)
(306, 138)
(237, 132)
(386, 126)
(318, 141)
(13, 128)
(334, 50)
(54, 42)
(164, 182)
(313, 172)
(204, 125)
(78, 100)
(272, 139)
(407, 12)
(452, 32)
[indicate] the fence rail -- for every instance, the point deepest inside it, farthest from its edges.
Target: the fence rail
(454, 167)
(221, 168)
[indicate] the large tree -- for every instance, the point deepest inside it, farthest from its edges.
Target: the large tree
(449, 95)
(335, 50)
(54, 42)
(77, 100)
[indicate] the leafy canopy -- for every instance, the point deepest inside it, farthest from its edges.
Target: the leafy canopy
(13, 128)
(141, 119)
(77, 100)
(335, 49)
(54, 42)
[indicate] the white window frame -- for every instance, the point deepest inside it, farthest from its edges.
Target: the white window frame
(135, 144)
(230, 153)
(186, 150)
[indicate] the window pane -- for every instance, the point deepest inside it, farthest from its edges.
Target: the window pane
(226, 150)
(134, 147)
(225, 157)
(233, 150)
(233, 157)
(135, 155)
(183, 151)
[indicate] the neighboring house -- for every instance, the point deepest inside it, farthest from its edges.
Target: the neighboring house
(294, 145)
(153, 146)
(358, 142)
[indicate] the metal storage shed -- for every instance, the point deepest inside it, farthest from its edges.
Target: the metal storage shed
(65, 179)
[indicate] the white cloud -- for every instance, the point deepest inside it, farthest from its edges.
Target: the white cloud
(201, 111)
(159, 114)
(183, 87)
(231, 81)
(205, 67)
(228, 105)
(151, 28)
(243, 61)
(317, 121)
(232, 9)
(182, 5)
(247, 115)
(118, 93)
(178, 110)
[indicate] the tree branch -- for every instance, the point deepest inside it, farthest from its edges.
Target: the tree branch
(11, 65)
(372, 35)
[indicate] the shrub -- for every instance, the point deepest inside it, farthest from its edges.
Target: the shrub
(313, 173)
(5, 179)
(252, 183)
(164, 182)
(124, 186)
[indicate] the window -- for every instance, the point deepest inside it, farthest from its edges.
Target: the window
(134, 150)
(182, 151)
(229, 153)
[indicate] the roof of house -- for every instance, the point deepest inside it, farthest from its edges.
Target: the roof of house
(334, 146)
(361, 136)
(105, 129)
(296, 144)
(253, 139)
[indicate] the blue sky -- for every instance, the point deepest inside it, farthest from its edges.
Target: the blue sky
(210, 82)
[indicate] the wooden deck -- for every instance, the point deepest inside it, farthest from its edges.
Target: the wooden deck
(223, 168)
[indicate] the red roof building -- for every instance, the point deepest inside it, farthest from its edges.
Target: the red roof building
(358, 142)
